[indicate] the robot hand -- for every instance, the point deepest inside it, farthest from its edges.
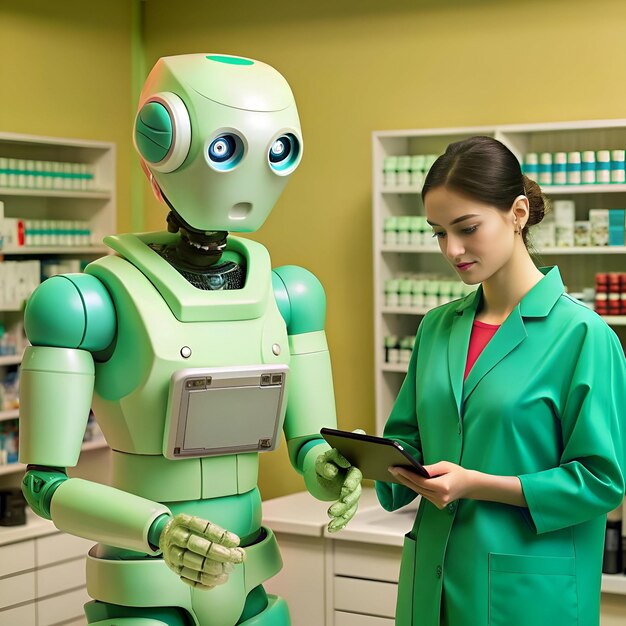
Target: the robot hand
(337, 473)
(201, 553)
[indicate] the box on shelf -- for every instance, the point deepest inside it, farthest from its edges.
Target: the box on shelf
(617, 218)
(599, 223)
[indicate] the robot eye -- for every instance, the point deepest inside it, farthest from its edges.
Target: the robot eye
(222, 148)
(225, 151)
(284, 152)
(280, 149)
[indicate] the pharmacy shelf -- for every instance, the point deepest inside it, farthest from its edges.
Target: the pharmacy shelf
(16, 468)
(9, 415)
(14, 359)
(614, 583)
(566, 190)
(62, 250)
(55, 193)
(404, 310)
(584, 250)
(393, 248)
(578, 265)
(402, 368)
(552, 190)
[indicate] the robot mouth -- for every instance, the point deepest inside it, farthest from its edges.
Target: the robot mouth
(240, 211)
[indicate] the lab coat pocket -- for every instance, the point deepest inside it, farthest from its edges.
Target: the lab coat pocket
(404, 603)
(537, 590)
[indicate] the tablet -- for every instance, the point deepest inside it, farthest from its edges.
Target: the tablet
(372, 455)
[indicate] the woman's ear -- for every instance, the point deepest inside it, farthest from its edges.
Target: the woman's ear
(521, 210)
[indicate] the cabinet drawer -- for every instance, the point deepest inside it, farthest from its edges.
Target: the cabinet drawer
(61, 547)
(68, 606)
(22, 616)
(353, 619)
(16, 589)
(366, 560)
(59, 578)
(17, 557)
(365, 596)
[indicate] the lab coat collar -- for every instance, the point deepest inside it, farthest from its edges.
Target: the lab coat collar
(538, 302)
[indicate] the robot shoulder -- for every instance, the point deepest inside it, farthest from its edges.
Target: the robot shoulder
(71, 311)
(301, 299)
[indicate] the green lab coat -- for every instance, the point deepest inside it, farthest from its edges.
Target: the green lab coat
(545, 401)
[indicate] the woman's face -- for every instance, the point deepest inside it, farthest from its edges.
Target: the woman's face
(477, 239)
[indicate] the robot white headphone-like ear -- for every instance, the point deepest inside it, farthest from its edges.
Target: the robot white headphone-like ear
(162, 132)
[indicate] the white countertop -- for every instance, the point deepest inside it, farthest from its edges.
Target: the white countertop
(302, 514)
(35, 527)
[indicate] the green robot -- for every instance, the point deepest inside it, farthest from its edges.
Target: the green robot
(194, 354)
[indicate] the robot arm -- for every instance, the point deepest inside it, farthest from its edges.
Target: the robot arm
(68, 319)
(311, 405)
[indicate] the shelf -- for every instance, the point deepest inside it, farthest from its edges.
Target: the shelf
(549, 190)
(395, 367)
(55, 193)
(404, 310)
(556, 251)
(390, 247)
(16, 468)
(614, 583)
(36, 250)
(401, 189)
(584, 250)
(558, 190)
(14, 359)
(9, 415)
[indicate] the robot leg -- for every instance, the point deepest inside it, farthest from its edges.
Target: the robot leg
(276, 614)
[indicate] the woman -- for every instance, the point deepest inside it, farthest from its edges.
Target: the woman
(515, 401)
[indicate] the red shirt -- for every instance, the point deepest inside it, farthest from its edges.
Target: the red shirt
(481, 334)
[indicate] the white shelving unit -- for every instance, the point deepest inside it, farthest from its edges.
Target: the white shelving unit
(95, 206)
(578, 265)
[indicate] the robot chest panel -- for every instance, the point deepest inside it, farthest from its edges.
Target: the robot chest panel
(133, 386)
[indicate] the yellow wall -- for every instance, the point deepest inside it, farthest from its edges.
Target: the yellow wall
(362, 65)
(66, 72)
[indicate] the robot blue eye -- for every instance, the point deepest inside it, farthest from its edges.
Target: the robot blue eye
(280, 149)
(222, 148)
(225, 152)
(284, 152)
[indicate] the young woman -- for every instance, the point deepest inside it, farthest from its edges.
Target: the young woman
(515, 401)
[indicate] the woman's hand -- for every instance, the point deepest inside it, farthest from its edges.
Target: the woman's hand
(448, 482)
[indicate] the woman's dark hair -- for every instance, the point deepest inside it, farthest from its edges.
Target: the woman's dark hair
(484, 169)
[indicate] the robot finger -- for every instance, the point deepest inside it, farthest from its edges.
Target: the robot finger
(213, 568)
(212, 581)
(336, 457)
(324, 468)
(351, 488)
(215, 533)
(337, 509)
(227, 555)
(351, 497)
(196, 585)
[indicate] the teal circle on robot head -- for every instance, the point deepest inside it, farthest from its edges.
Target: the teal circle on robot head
(153, 132)
(220, 58)
(283, 153)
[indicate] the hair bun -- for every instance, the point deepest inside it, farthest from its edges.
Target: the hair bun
(536, 201)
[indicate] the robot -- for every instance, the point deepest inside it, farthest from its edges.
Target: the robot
(194, 355)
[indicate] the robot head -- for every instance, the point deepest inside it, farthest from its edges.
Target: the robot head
(219, 137)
